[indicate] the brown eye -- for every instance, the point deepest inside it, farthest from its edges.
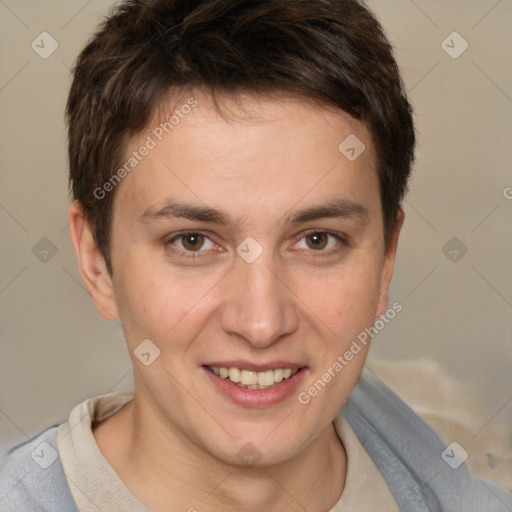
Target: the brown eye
(193, 241)
(322, 242)
(317, 241)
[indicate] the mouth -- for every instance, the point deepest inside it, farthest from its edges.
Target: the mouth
(250, 379)
(255, 385)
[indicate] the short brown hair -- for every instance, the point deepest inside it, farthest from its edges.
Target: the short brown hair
(334, 51)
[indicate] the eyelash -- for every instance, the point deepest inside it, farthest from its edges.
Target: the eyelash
(197, 254)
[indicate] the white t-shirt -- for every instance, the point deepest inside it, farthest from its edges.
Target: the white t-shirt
(96, 486)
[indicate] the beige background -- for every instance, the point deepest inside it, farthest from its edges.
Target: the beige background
(56, 351)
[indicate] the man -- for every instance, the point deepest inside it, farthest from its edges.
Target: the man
(237, 170)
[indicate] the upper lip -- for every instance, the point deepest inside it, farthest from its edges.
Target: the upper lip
(255, 367)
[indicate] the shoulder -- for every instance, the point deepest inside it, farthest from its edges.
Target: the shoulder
(32, 477)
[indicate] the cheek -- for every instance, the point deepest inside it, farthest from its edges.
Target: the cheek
(346, 303)
(154, 302)
(344, 299)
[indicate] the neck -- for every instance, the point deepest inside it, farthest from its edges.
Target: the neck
(148, 455)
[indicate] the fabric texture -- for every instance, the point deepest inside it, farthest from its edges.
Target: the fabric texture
(365, 488)
(27, 485)
(93, 482)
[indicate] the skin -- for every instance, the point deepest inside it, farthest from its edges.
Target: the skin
(296, 302)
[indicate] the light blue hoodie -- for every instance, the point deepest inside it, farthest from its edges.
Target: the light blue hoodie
(406, 450)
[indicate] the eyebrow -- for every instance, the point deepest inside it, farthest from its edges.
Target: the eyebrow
(338, 208)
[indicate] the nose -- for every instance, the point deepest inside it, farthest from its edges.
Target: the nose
(258, 305)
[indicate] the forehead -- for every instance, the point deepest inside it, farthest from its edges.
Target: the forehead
(255, 155)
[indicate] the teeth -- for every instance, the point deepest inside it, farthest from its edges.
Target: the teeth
(234, 375)
(266, 378)
(253, 380)
(249, 378)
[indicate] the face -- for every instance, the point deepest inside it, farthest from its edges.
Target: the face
(248, 246)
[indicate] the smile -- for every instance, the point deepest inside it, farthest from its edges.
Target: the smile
(253, 380)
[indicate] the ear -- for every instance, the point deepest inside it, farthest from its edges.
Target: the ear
(91, 263)
(388, 266)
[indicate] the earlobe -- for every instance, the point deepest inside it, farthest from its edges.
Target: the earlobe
(91, 263)
(389, 263)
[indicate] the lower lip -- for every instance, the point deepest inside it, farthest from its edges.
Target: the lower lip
(257, 397)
